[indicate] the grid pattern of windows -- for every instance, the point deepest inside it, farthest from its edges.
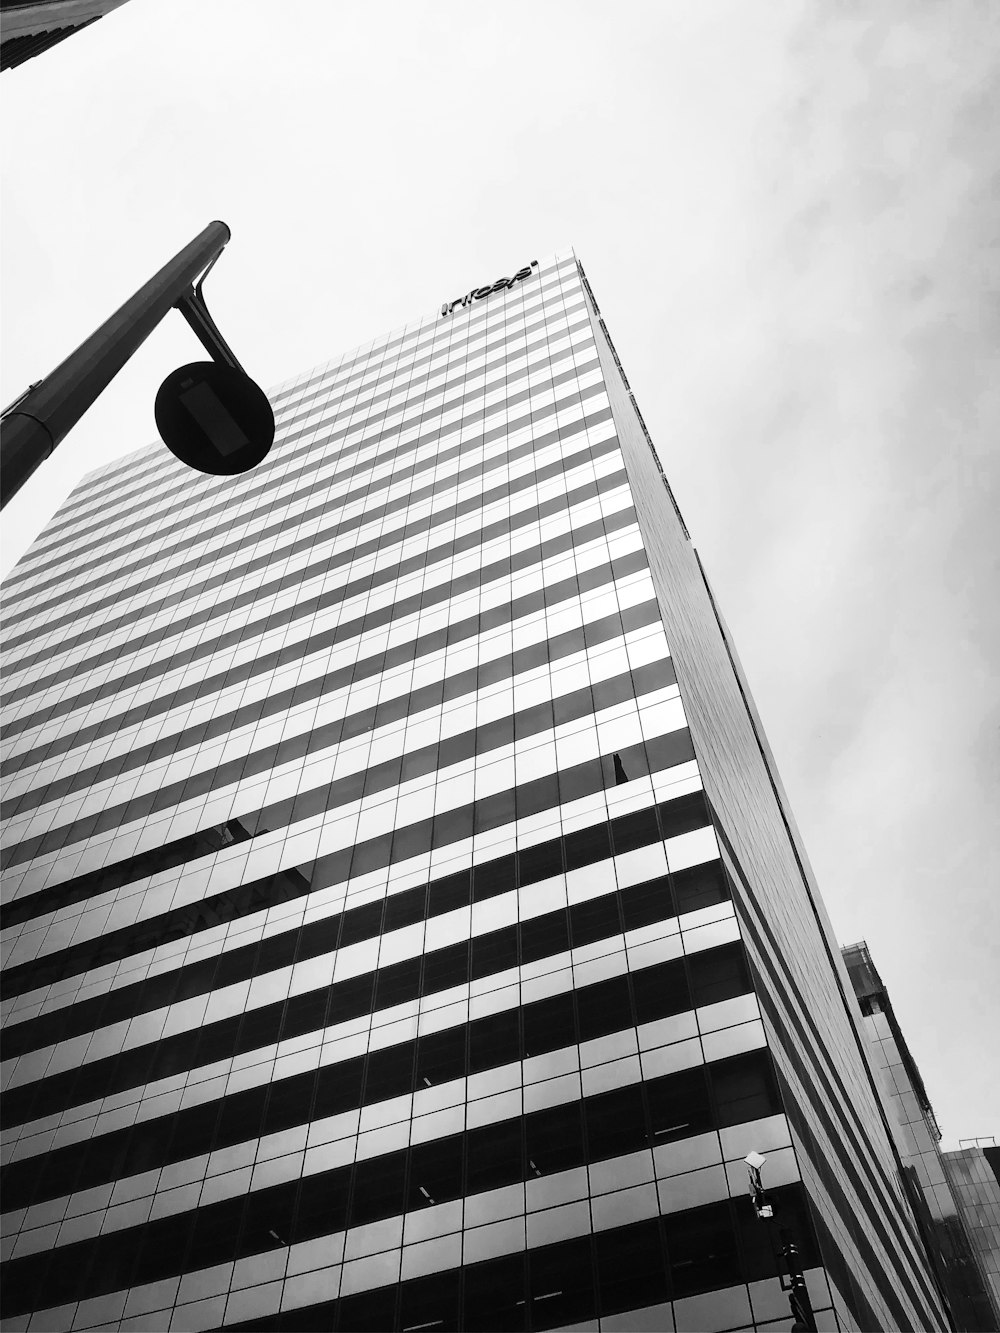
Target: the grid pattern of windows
(369, 956)
(872, 1247)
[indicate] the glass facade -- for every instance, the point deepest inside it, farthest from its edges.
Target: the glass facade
(404, 926)
(974, 1174)
(963, 1251)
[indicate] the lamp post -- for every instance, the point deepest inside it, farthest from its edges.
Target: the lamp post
(791, 1278)
(214, 417)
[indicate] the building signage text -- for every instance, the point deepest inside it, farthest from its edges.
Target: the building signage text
(478, 293)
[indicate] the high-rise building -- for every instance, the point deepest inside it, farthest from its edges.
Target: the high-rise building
(973, 1171)
(961, 1260)
(29, 27)
(406, 926)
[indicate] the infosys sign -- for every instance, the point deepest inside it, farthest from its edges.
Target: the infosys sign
(500, 285)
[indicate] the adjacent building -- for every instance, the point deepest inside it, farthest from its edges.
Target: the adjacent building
(405, 923)
(973, 1171)
(29, 27)
(945, 1187)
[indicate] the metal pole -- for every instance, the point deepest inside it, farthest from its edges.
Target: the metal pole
(38, 421)
(798, 1292)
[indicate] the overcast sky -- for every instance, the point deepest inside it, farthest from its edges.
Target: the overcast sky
(789, 214)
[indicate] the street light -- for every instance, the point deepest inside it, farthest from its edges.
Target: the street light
(210, 414)
(792, 1279)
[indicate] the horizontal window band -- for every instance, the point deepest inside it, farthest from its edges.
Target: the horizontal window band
(848, 1136)
(686, 913)
(139, 807)
(24, 1103)
(628, 1272)
(563, 543)
(309, 689)
(551, 287)
(557, 467)
(127, 1138)
(307, 478)
(629, 832)
(403, 844)
(48, 713)
(541, 1143)
(151, 473)
(457, 632)
(148, 638)
(444, 690)
(551, 300)
(247, 490)
(148, 610)
(691, 888)
(183, 922)
(306, 471)
(33, 904)
(560, 1021)
(503, 351)
(739, 1089)
(362, 491)
(447, 689)
(321, 640)
(328, 797)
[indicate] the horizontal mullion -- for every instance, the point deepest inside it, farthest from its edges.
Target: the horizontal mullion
(269, 483)
(700, 891)
(661, 1000)
(117, 765)
(287, 600)
(34, 981)
(368, 1190)
(515, 1281)
(469, 505)
(335, 510)
(424, 1070)
(243, 757)
(331, 868)
(402, 844)
(180, 661)
(311, 941)
(435, 346)
(416, 604)
(316, 687)
(307, 472)
(369, 781)
(191, 620)
(249, 504)
(316, 814)
(453, 370)
(477, 317)
(323, 691)
(597, 918)
(501, 613)
(158, 463)
(471, 331)
(68, 961)
(146, 608)
(471, 958)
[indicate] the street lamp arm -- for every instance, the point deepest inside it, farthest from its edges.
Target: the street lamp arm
(192, 306)
(38, 421)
